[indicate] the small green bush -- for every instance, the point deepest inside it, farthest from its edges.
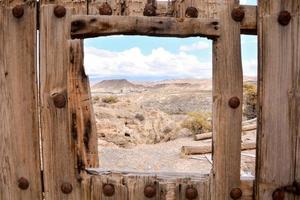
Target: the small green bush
(110, 99)
(139, 117)
(198, 123)
(96, 98)
(250, 101)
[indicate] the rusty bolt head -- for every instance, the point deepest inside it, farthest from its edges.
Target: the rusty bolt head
(284, 18)
(105, 9)
(238, 14)
(23, 183)
(236, 193)
(149, 10)
(150, 191)
(191, 193)
(278, 194)
(59, 100)
(191, 12)
(18, 11)
(108, 190)
(66, 188)
(60, 11)
(234, 102)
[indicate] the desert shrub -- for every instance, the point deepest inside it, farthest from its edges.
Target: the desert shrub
(110, 99)
(140, 117)
(198, 123)
(250, 101)
(96, 98)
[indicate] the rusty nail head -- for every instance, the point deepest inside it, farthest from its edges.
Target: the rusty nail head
(191, 193)
(108, 190)
(234, 102)
(236, 193)
(18, 11)
(59, 100)
(278, 194)
(149, 10)
(60, 11)
(284, 18)
(66, 188)
(23, 183)
(105, 9)
(238, 14)
(150, 191)
(191, 12)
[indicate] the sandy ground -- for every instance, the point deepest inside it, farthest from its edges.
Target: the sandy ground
(166, 157)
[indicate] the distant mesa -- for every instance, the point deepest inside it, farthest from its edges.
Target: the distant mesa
(116, 84)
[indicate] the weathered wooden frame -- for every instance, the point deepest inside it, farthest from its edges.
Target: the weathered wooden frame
(66, 124)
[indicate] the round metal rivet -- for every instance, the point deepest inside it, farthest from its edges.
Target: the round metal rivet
(278, 195)
(191, 193)
(234, 102)
(191, 12)
(236, 193)
(108, 190)
(284, 18)
(66, 188)
(18, 11)
(149, 10)
(59, 11)
(238, 14)
(105, 9)
(59, 100)
(150, 191)
(23, 183)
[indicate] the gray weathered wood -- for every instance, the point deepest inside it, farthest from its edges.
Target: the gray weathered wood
(227, 121)
(278, 119)
(86, 26)
(19, 137)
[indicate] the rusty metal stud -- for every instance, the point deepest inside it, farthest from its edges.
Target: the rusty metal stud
(191, 12)
(234, 102)
(236, 193)
(149, 10)
(278, 194)
(105, 9)
(150, 191)
(108, 190)
(23, 183)
(59, 100)
(60, 11)
(238, 14)
(66, 188)
(284, 18)
(18, 11)
(191, 193)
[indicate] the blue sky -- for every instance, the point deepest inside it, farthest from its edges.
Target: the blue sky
(156, 58)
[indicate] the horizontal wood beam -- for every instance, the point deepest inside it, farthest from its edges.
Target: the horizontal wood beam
(249, 23)
(168, 185)
(87, 26)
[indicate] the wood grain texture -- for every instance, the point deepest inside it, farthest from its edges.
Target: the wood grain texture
(58, 145)
(249, 23)
(81, 113)
(278, 128)
(86, 26)
(19, 138)
(227, 122)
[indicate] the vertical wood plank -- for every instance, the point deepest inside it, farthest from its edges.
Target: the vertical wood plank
(19, 138)
(81, 113)
(227, 83)
(279, 70)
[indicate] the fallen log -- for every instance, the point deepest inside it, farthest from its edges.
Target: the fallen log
(205, 136)
(198, 150)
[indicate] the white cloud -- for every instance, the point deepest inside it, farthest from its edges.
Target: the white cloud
(250, 67)
(201, 45)
(132, 62)
(243, 2)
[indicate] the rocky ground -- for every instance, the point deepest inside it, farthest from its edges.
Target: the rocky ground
(140, 125)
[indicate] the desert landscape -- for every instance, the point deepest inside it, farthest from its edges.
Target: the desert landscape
(142, 126)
